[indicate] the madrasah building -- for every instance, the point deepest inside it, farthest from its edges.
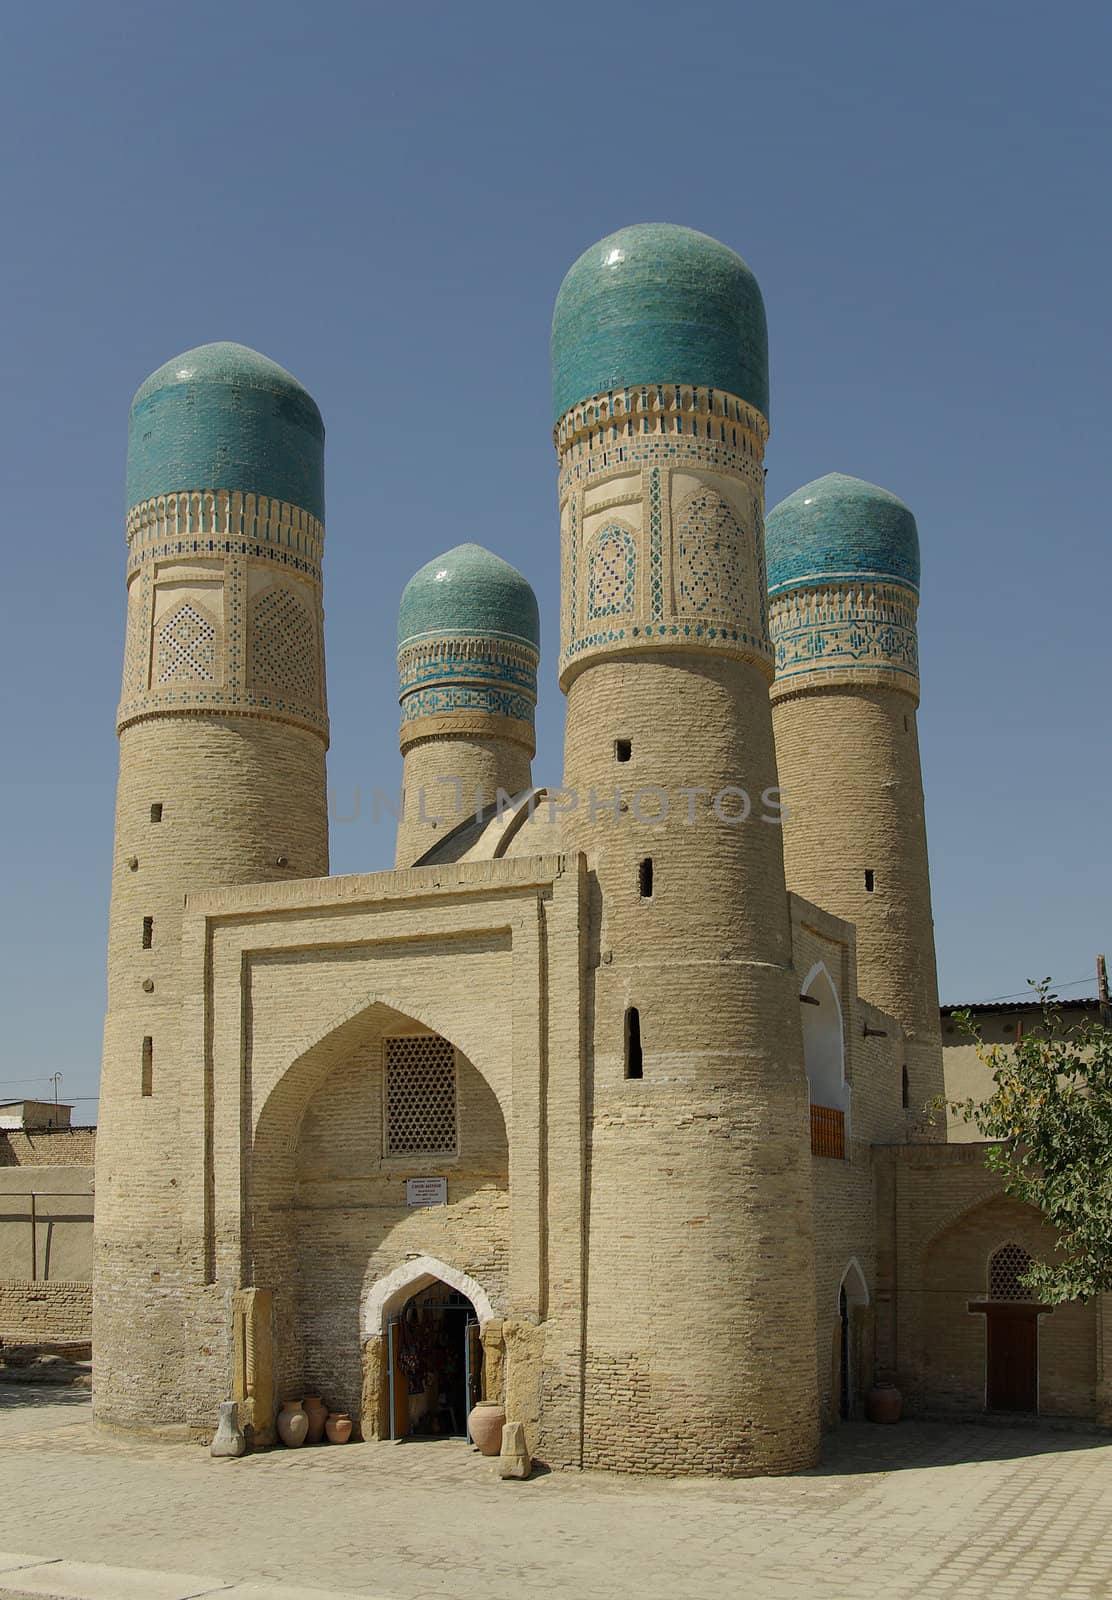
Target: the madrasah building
(613, 1093)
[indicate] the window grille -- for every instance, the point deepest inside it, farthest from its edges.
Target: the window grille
(1005, 1269)
(420, 1095)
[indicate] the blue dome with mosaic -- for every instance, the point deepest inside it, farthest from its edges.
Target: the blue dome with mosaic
(223, 416)
(655, 303)
(469, 590)
(840, 527)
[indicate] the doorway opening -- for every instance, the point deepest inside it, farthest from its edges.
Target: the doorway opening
(1011, 1333)
(845, 1392)
(435, 1360)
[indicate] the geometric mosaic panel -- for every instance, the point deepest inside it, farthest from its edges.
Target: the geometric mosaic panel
(186, 646)
(708, 556)
(1007, 1266)
(283, 645)
(420, 1095)
(611, 573)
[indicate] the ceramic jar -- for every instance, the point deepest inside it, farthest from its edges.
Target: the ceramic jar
(317, 1413)
(883, 1403)
(338, 1427)
(486, 1422)
(293, 1424)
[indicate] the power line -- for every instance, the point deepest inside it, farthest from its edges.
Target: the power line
(1023, 994)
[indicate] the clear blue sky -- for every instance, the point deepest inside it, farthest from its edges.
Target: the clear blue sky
(384, 198)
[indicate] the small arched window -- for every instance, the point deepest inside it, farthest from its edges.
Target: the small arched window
(1005, 1269)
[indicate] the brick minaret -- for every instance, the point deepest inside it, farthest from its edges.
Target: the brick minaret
(468, 648)
(223, 730)
(843, 561)
(699, 1191)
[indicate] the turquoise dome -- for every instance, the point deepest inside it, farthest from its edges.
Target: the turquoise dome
(655, 303)
(469, 590)
(839, 527)
(224, 417)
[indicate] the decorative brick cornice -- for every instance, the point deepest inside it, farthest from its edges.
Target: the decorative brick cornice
(669, 410)
(217, 522)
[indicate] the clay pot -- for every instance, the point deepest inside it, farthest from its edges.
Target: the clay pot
(338, 1427)
(486, 1422)
(293, 1424)
(317, 1413)
(883, 1403)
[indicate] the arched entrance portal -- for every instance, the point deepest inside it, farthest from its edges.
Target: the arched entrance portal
(435, 1363)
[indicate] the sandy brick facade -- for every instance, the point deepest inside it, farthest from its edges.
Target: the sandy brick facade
(655, 1064)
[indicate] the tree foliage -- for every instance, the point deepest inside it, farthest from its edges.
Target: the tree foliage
(1050, 1119)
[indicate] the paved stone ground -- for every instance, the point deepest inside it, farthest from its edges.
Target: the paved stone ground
(922, 1511)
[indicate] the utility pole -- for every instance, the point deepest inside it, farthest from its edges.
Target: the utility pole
(1102, 991)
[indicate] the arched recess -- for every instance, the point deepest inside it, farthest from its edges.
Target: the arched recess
(327, 1211)
(824, 1052)
(852, 1344)
(389, 1293)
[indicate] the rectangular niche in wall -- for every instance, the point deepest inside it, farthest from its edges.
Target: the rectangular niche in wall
(420, 1095)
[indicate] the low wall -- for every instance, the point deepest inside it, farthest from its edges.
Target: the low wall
(46, 1313)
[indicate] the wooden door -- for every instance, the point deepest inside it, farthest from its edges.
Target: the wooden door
(1012, 1358)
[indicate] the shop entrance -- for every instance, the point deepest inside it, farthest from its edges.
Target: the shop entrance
(435, 1360)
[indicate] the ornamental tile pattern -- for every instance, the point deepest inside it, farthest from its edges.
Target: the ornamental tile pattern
(283, 645)
(700, 581)
(222, 535)
(656, 548)
(186, 647)
(839, 629)
(441, 701)
(611, 572)
(708, 556)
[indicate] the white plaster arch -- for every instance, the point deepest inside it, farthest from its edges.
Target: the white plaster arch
(390, 1292)
(853, 1281)
(824, 1040)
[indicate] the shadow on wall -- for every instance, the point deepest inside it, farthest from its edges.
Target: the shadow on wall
(862, 1447)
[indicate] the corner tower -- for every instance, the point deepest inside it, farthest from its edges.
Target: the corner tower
(468, 650)
(700, 1329)
(843, 577)
(223, 731)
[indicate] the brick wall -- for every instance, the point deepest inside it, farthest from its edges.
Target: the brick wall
(46, 1313)
(54, 1147)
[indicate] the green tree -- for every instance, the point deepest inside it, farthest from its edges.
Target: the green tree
(1050, 1119)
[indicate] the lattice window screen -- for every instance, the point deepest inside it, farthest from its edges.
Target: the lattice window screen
(1004, 1272)
(420, 1095)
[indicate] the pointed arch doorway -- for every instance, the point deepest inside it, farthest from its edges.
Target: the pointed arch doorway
(435, 1364)
(427, 1319)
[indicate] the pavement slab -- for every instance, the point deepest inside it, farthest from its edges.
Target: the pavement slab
(920, 1511)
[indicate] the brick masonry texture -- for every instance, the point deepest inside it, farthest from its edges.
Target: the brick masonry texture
(58, 1147)
(45, 1313)
(667, 1277)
